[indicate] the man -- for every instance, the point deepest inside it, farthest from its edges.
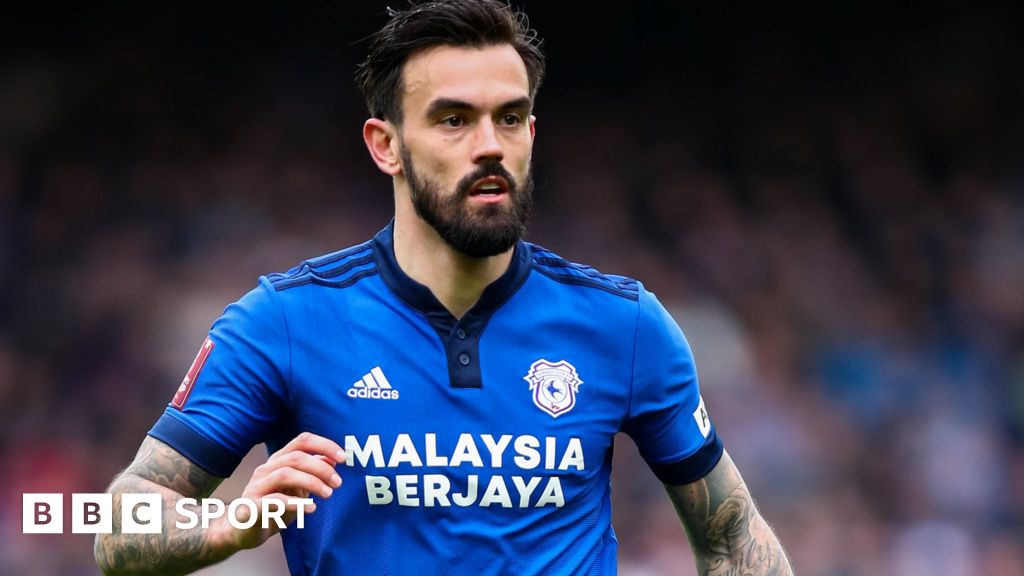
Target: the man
(467, 384)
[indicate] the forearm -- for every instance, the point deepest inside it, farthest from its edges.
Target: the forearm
(158, 469)
(171, 551)
(727, 533)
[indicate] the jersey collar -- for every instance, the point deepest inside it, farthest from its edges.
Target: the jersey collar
(421, 298)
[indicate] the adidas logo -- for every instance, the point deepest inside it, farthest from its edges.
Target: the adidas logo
(373, 385)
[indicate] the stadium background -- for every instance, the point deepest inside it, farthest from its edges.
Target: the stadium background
(830, 199)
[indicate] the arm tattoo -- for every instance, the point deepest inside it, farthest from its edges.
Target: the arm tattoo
(158, 468)
(159, 463)
(727, 533)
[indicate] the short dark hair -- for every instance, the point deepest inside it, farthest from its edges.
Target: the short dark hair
(469, 23)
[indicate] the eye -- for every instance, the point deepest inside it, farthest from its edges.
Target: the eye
(453, 121)
(511, 119)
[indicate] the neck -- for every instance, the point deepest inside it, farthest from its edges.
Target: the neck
(456, 280)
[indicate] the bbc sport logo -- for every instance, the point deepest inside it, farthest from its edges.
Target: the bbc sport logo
(143, 513)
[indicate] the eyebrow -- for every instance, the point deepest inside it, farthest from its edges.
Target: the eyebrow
(441, 104)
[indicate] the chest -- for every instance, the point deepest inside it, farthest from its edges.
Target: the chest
(549, 390)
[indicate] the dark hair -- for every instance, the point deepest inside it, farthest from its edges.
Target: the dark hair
(470, 23)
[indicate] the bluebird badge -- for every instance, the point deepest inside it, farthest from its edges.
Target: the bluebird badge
(554, 386)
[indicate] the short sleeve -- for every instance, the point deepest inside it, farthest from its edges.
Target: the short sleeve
(235, 391)
(667, 418)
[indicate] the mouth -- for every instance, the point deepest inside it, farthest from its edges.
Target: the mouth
(489, 189)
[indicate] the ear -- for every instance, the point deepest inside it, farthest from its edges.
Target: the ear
(533, 126)
(382, 141)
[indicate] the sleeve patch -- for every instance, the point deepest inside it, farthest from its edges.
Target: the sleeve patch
(190, 378)
(700, 415)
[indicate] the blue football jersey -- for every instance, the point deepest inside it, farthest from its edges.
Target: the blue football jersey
(480, 445)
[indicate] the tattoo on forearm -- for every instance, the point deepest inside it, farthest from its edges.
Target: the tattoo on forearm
(158, 468)
(161, 464)
(728, 535)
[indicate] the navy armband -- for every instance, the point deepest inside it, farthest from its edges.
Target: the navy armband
(693, 467)
(206, 454)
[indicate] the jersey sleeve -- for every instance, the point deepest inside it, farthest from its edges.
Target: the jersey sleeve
(236, 389)
(667, 418)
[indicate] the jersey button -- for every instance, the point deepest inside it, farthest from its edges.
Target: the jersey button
(461, 334)
(464, 359)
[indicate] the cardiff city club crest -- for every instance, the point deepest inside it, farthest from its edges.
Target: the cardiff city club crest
(554, 386)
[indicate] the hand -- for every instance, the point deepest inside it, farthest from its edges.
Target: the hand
(304, 467)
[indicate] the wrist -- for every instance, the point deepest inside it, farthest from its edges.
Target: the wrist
(223, 537)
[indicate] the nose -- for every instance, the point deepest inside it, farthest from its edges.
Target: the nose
(486, 146)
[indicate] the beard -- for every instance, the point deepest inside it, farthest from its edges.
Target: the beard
(478, 232)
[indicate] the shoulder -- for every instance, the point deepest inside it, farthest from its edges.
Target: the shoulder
(282, 302)
(339, 269)
(582, 277)
(608, 295)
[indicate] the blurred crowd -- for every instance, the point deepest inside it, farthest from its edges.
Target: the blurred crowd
(845, 255)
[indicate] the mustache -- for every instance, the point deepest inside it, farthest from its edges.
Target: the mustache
(483, 171)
